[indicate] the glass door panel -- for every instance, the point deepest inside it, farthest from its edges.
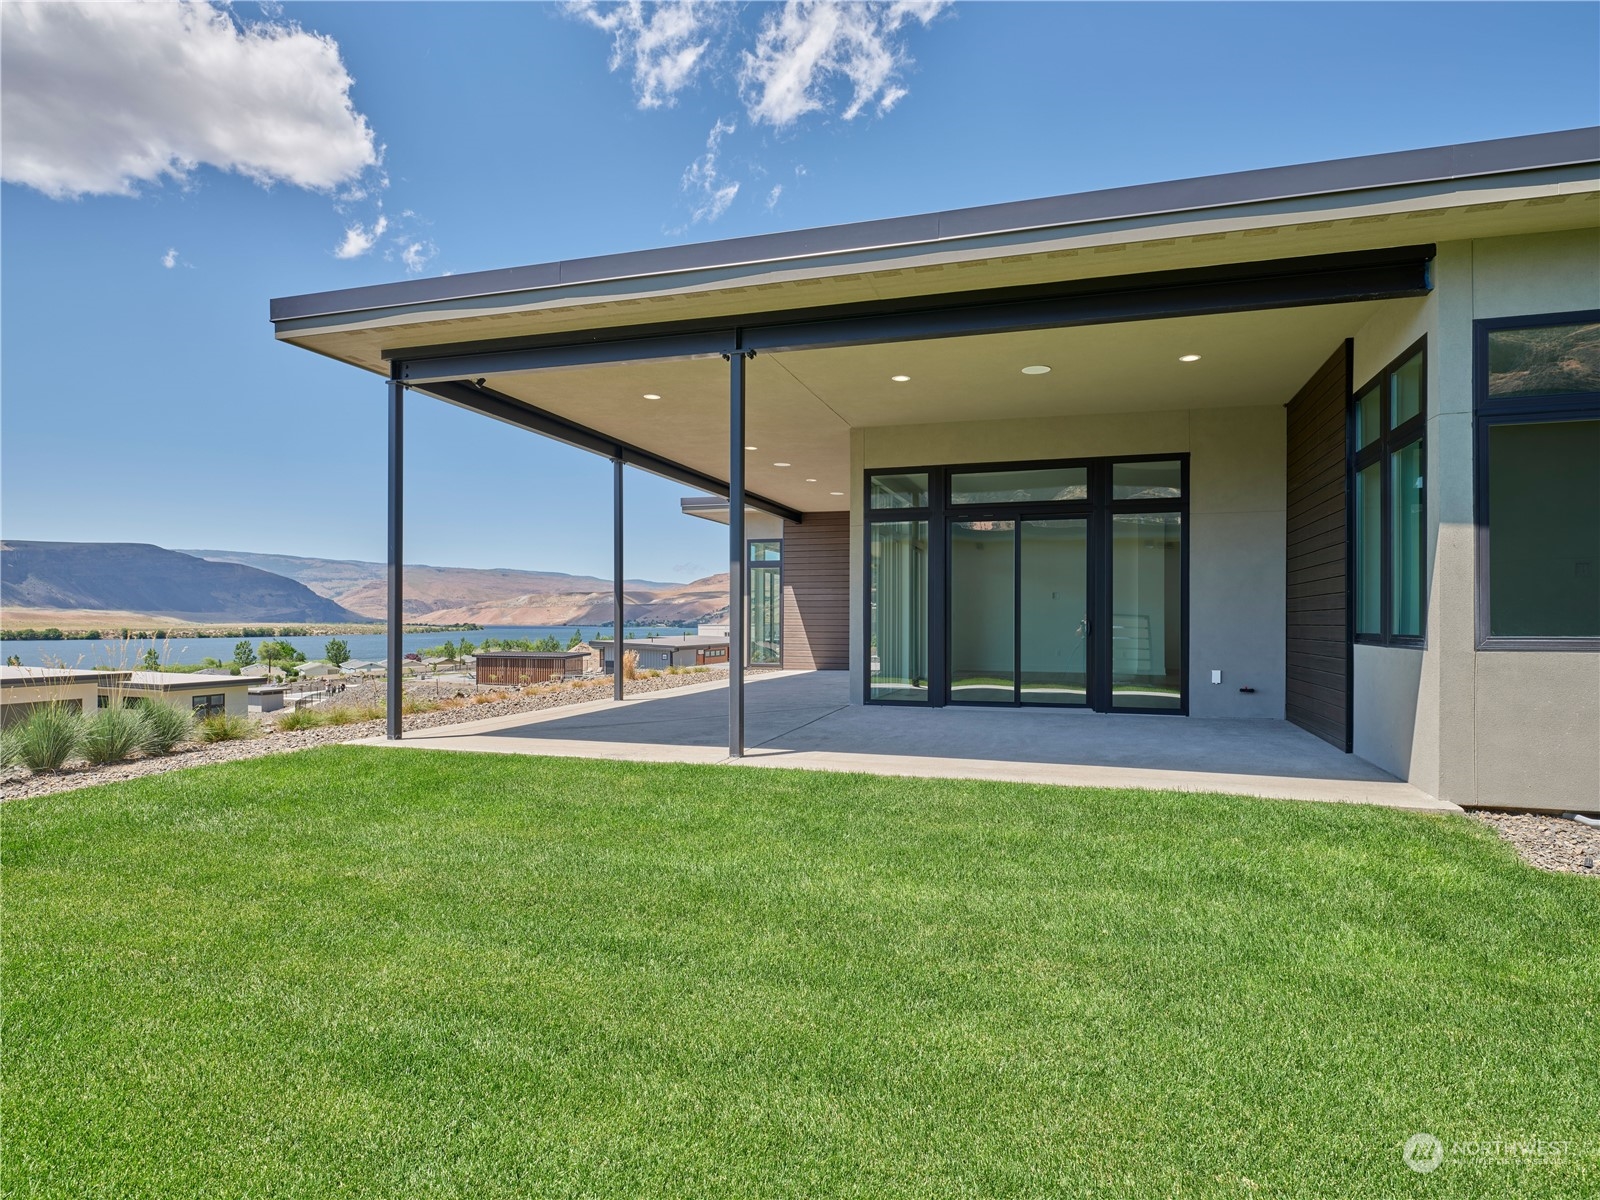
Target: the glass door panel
(898, 630)
(766, 615)
(1054, 588)
(1147, 610)
(983, 598)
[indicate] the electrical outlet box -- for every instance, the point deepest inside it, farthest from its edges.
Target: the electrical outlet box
(1216, 677)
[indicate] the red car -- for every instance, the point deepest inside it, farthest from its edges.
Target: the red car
(413, 658)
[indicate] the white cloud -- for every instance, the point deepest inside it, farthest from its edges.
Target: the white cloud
(802, 49)
(359, 238)
(170, 258)
(417, 255)
(96, 99)
(703, 181)
(772, 196)
(666, 44)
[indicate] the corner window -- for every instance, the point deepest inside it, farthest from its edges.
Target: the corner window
(1537, 481)
(209, 706)
(1387, 420)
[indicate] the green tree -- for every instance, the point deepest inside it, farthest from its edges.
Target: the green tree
(336, 651)
(13, 661)
(465, 648)
(280, 652)
(547, 643)
(243, 654)
(576, 639)
(150, 660)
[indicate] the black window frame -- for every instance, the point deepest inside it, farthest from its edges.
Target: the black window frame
(1539, 409)
(209, 704)
(1097, 507)
(1390, 440)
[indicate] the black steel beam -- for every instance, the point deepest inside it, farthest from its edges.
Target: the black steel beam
(618, 602)
(1104, 308)
(1387, 274)
(397, 621)
(736, 554)
(578, 354)
(491, 403)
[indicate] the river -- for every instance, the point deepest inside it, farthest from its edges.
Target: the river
(364, 647)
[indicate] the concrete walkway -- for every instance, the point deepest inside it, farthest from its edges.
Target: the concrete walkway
(804, 719)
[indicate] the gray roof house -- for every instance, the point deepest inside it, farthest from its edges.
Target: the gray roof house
(1316, 444)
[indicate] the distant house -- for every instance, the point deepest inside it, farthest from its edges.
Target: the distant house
(202, 695)
(529, 666)
(23, 689)
(657, 654)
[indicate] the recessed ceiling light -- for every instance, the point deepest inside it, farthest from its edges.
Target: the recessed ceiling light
(752, 447)
(901, 378)
(811, 481)
(651, 396)
(835, 493)
(1188, 358)
(1039, 369)
(782, 464)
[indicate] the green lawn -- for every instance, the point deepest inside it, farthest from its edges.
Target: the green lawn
(358, 972)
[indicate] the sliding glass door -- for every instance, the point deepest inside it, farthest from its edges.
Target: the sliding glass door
(1059, 584)
(1053, 585)
(983, 604)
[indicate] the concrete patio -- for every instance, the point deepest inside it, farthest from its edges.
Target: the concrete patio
(803, 719)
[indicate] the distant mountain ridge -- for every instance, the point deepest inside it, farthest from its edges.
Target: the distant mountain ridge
(126, 580)
(136, 577)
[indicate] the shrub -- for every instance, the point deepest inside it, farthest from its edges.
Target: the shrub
(630, 664)
(302, 718)
(164, 727)
(10, 751)
(226, 727)
(350, 714)
(48, 736)
(111, 734)
(411, 705)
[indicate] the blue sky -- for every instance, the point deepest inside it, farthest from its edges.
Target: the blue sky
(141, 401)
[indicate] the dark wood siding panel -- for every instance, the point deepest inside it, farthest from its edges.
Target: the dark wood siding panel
(816, 593)
(1317, 669)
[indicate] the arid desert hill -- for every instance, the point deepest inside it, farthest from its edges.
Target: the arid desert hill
(133, 577)
(493, 596)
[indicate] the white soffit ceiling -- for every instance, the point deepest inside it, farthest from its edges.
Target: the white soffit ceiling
(801, 405)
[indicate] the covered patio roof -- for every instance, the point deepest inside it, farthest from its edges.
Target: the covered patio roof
(767, 351)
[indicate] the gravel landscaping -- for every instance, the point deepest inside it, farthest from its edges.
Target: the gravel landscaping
(466, 701)
(1549, 841)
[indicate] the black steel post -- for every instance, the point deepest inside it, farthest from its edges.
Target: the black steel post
(397, 403)
(618, 614)
(736, 555)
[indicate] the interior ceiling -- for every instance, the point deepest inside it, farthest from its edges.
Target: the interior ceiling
(801, 405)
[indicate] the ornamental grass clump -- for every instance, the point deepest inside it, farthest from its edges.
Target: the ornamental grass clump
(630, 665)
(226, 727)
(10, 752)
(302, 718)
(164, 727)
(111, 735)
(48, 736)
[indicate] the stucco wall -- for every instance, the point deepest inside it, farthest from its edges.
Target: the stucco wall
(1236, 505)
(1490, 727)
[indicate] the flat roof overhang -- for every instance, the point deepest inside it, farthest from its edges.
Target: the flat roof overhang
(569, 349)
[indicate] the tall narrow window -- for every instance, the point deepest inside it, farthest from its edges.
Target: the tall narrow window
(1537, 401)
(1391, 513)
(897, 650)
(766, 604)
